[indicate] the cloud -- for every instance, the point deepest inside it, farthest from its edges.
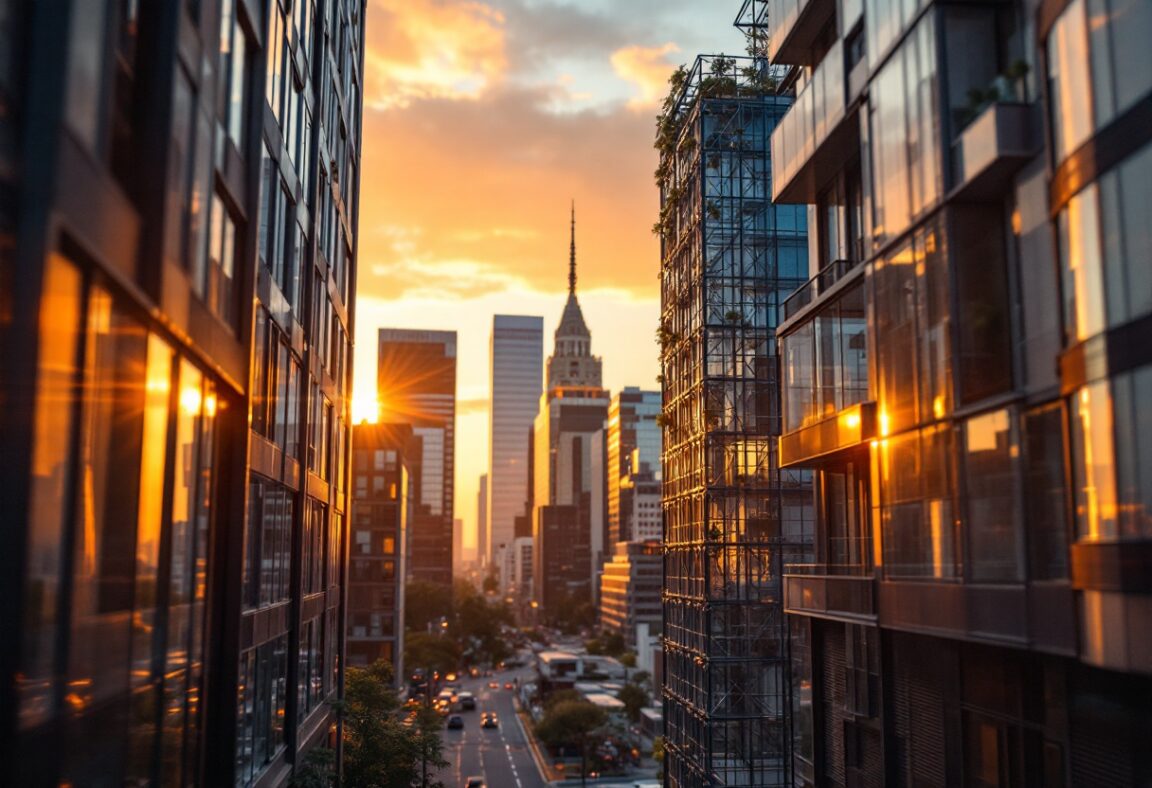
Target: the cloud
(419, 49)
(483, 188)
(646, 67)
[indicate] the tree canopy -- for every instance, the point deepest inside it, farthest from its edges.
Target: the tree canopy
(380, 751)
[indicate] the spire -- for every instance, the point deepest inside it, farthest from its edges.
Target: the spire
(572, 255)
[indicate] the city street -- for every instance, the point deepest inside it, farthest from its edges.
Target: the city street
(501, 755)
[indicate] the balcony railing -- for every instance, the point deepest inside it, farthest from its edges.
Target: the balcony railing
(798, 143)
(810, 290)
(823, 595)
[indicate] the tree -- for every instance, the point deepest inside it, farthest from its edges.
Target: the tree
(317, 771)
(478, 625)
(634, 698)
(628, 659)
(425, 603)
(380, 751)
(434, 652)
(658, 756)
(571, 723)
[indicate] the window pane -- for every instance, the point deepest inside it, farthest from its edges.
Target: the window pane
(983, 320)
(1081, 263)
(1093, 462)
(60, 311)
(993, 520)
(1044, 493)
(1069, 95)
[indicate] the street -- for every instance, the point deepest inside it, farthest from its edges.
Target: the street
(500, 755)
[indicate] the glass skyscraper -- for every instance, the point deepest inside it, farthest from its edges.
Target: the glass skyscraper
(416, 385)
(517, 376)
(177, 247)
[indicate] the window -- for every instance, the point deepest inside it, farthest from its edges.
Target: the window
(993, 511)
(261, 697)
(861, 670)
(220, 272)
(268, 543)
(1069, 78)
(233, 73)
(1079, 225)
(916, 508)
(1045, 507)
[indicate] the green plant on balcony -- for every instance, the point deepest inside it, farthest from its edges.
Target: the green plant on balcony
(1008, 86)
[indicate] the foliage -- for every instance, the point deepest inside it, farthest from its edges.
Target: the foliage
(628, 659)
(491, 583)
(434, 652)
(571, 613)
(380, 751)
(658, 756)
(570, 723)
(634, 699)
(424, 604)
(317, 771)
(478, 626)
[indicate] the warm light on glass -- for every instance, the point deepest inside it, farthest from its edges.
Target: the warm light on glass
(884, 423)
(851, 420)
(191, 400)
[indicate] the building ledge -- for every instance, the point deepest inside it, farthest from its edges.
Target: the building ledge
(846, 429)
(793, 28)
(848, 598)
(991, 150)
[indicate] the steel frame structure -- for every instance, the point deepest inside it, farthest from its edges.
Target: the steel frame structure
(732, 518)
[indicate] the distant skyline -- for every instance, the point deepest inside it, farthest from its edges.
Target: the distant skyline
(482, 121)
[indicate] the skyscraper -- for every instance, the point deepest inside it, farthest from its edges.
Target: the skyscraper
(961, 375)
(175, 307)
(381, 520)
(482, 520)
(634, 439)
(731, 515)
(516, 371)
(416, 385)
(573, 410)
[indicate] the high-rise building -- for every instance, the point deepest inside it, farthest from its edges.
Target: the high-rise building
(381, 519)
(961, 375)
(630, 589)
(416, 385)
(482, 521)
(516, 356)
(633, 459)
(457, 545)
(178, 240)
(573, 410)
(732, 517)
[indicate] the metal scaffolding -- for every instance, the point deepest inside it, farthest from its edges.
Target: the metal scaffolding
(732, 518)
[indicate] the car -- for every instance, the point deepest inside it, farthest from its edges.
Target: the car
(488, 720)
(493, 685)
(475, 782)
(450, 677)
(455, 722)
(507, 685)
(467, 701)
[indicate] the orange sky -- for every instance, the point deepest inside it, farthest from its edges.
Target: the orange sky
(482, 120)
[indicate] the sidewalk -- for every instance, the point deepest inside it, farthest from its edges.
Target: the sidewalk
(543, 763)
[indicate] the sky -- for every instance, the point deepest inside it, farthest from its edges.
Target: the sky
(483, 121)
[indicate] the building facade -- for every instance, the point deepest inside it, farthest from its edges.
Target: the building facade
(633, 459)
(630, 589)
(381, 518)
(732, 516)
(482, 521)
(516, 357)
(416, 385)
(178, 220)
(978, 178)
(572, 411)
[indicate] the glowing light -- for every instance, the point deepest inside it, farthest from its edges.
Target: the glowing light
(938, 406)
(365, 409)
(210, 406)
(851, 420)
(885, 425)
(191, 400)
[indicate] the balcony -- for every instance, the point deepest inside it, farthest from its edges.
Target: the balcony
(793, 26)
(846, 429)
(990, 150)
(817, 136)
(824, 592)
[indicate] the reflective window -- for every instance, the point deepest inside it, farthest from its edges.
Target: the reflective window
(983, 321)
(1045, 507)
(1080, 259)
(268, 543)
(1118, 34)
(917, 504)
(60, 310)
(261, 698)
(220, 273)
(1068, 80)
(993, 517)
(1093, 462)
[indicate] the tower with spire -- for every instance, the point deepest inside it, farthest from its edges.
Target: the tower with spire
(572, 364)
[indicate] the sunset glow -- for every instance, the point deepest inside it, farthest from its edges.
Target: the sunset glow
(482, 121)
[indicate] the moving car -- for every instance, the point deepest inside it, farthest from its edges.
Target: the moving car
(475, 782)
(493, 685)
(488, 720)
(467, 701)
(507, 685)
(455, 722)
